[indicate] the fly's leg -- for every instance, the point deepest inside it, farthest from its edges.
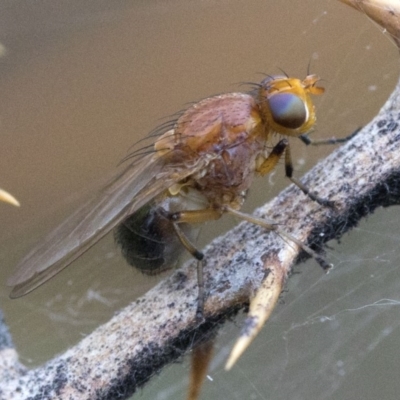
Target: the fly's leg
(270, 226)
(193, 217)
(202, 353)
(318, 142)
(273, 158)
(270, 162)
(199, 256)
(303, 188)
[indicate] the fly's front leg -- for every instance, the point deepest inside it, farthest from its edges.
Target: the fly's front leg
(193, 217)
(318, 142)
(272, 160)
(303, 188)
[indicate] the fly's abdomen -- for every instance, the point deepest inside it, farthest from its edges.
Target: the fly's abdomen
(146, 238)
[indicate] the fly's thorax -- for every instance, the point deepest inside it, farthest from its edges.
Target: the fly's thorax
(147, 238)
(225, 132)
(230, 173)
(203, 122)
(211, 126)
(285, 104)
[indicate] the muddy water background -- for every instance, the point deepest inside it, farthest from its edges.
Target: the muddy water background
(81, 82)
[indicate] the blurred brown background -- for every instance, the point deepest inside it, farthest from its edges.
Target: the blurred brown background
(80, 82)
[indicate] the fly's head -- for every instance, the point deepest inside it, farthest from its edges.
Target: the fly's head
(285, 103)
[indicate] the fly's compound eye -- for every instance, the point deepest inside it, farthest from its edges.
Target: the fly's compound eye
(288, 110)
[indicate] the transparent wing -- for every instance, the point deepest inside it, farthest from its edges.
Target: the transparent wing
(126, 193)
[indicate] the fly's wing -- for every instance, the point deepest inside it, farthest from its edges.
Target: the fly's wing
(129, 191)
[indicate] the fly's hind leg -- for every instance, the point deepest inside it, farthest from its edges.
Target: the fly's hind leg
(199, 256)
(273, 158)
(202, 353)
(193, 217)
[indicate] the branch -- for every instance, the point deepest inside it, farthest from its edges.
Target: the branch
(158, 328)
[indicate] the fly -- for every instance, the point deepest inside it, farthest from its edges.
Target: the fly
(197, 171)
